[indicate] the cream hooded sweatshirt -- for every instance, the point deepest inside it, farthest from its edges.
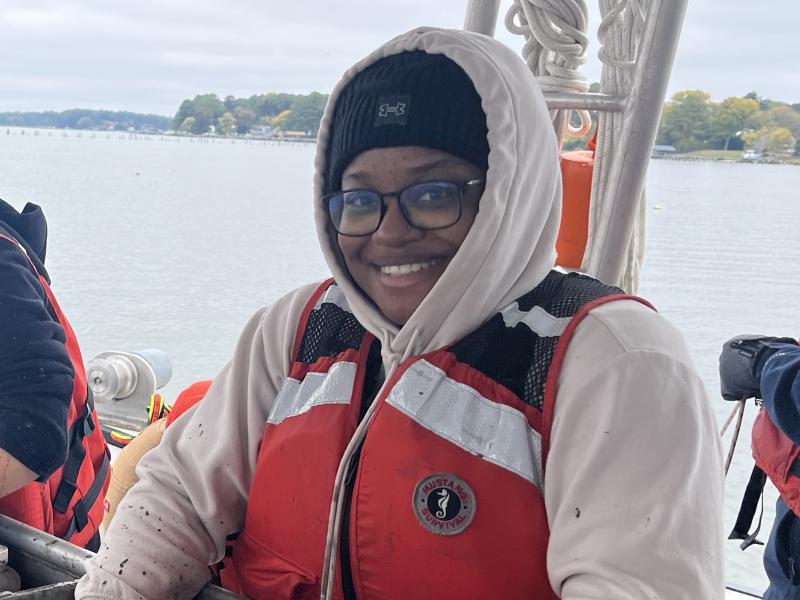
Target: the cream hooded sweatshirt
(633, 484)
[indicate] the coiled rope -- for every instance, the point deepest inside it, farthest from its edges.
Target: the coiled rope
(554, 50)
(619, 34)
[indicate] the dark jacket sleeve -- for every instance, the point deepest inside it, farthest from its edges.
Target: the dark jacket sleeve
(780, 390)
(36, 374)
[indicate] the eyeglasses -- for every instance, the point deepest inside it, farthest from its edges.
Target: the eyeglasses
(426, 205)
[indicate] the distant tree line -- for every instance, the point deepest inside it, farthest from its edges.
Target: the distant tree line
(84, 118)
(692, 121)
(273, 113)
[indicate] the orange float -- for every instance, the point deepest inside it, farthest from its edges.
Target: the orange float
(576, 177)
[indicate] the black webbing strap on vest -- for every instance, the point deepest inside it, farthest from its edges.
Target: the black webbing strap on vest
(83, 426)
(80, 512)
(752, 494)
(741, 530)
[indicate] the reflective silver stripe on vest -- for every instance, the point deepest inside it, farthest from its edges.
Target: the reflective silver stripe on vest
(456, 412)
(333, 295)
(540, 322)
(298, 397)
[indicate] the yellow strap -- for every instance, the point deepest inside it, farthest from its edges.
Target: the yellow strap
(121, 438)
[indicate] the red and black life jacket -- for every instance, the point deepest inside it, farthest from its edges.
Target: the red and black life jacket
(777, 458)
(70, 503)
(445, 495)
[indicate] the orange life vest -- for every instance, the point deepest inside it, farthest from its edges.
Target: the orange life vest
(70, 503)
(445, 497)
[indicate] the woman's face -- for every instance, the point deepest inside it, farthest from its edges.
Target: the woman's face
(398, 264)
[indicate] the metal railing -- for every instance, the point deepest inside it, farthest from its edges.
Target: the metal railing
(640, 107)
(50, 566)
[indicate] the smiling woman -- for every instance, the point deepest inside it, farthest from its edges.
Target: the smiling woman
(390, 428)
(398, 263)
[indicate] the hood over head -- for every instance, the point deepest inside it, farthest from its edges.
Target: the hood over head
(408, 99)
(511, 245)
(29, 224)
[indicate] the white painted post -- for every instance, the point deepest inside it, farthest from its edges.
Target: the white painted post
(481, 16)
(639, 128)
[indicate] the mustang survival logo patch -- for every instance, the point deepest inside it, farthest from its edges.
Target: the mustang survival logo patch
(444, 504)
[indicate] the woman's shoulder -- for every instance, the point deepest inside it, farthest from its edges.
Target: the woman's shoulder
(629, 325)
(287, 308)
(271, 330)
(619, 333)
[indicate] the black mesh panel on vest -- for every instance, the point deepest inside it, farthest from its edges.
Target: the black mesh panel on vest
(563, 294)
(518, 358)
(330, 331)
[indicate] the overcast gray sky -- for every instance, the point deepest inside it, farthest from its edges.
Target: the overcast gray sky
(149, 55)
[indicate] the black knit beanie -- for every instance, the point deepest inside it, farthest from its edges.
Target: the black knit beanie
(407, 99)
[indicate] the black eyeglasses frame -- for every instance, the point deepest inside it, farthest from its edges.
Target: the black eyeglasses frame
(461, 187)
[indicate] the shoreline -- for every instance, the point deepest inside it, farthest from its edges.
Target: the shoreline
(148, 135)
(214, 139)
(795, 161)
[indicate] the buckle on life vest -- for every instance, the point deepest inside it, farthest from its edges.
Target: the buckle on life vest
(88, 423)
(88, 413)
(80, 515)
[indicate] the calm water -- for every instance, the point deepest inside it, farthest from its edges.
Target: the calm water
(173, 244)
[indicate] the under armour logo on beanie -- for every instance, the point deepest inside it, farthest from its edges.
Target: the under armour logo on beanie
(392, 110)
(407, 99)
